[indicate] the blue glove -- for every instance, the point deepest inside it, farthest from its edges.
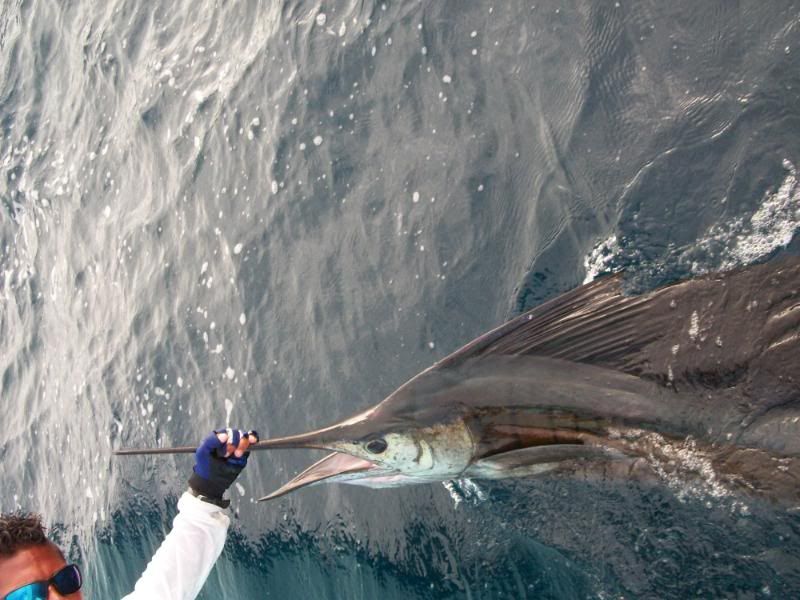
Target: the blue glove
(214, 472)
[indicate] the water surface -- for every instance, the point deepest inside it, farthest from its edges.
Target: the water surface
(274, 213)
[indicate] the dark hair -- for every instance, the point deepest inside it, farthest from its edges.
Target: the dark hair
(18, 530)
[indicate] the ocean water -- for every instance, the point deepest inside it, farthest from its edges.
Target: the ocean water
(271, 214)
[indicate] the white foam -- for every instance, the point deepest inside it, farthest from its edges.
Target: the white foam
(464, 489)
(472, 490)
(230, 373)
(774, 224)
(770, 227)
(683, 467)
(600, 258)
(454, 494)
(739, 242)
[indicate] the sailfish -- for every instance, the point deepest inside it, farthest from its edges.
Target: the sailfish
(597, 382)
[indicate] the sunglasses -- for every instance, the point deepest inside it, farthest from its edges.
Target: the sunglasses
(66, 581)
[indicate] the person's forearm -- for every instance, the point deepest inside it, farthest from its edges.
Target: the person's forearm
(181, 565)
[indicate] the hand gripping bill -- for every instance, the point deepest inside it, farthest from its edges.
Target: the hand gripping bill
(214, 473)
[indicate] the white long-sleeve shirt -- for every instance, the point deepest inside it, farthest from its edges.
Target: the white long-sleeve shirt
(181, 565)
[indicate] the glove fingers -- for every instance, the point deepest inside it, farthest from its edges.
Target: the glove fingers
(244, 444)
(231, 443)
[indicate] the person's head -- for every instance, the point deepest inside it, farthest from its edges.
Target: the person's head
(28, 557)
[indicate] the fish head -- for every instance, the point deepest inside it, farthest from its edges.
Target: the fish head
(437, 452)
(387, 450)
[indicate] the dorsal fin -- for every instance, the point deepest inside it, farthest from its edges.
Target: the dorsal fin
(594, 323)
(706, 330)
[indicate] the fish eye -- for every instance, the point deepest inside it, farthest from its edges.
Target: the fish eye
(376, 446)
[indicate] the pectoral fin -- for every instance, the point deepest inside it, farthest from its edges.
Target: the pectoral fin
(528, 462)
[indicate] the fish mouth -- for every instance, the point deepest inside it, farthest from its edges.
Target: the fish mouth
(337, 466)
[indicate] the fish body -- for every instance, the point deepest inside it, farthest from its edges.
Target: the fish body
(701, 377)
(596, 380)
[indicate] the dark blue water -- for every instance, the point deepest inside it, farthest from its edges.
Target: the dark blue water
(274, 213)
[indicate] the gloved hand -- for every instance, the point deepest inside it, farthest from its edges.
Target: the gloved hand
(218, 461)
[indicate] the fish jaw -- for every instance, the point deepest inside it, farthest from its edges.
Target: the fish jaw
(334, 467)
(377, 481)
